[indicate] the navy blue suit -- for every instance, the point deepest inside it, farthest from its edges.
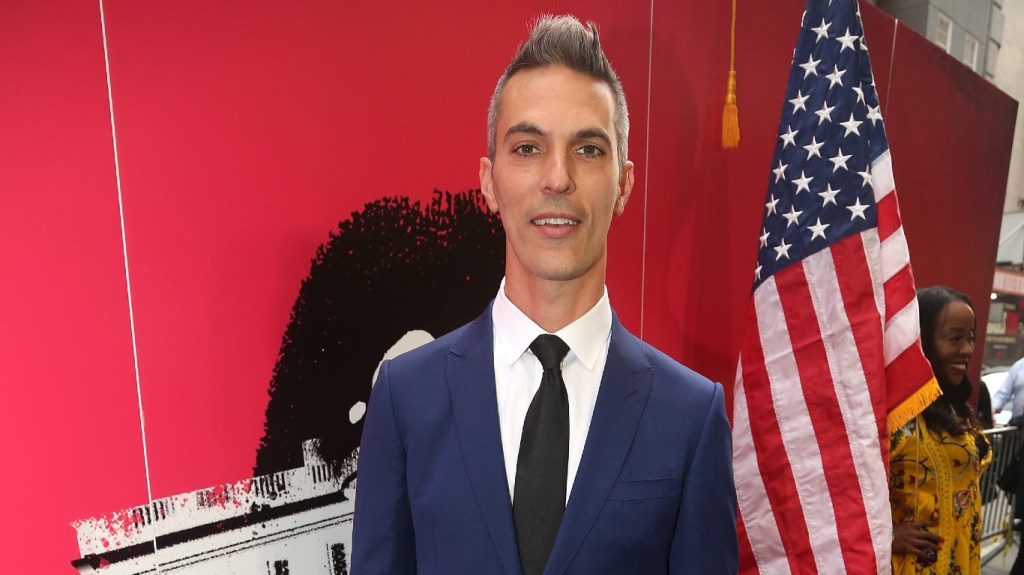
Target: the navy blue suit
(654, 493)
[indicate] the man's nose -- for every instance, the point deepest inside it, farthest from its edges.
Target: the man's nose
(557, 177)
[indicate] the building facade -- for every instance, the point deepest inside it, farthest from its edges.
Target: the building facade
(969, 30)
(988, 37)
(295, 522)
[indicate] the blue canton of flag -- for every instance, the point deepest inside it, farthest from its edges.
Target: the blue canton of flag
(831, 130)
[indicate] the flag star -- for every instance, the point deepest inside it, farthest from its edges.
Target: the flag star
(814, 148)
(782, 250)
(839, 160)
(770, 206)
(857, 210)
(851, 125)
(764, 237)
(789, 138)
(825, 113)
(818, 229)
(809, 66)
(803, 183)
(792, 216)
(866, 175)
(847, 41)
(798, 102)
(836, 77)
(828, 196)
(780, 172)
(757, 272)
(860, 93)
(821, 30)
(874, 114)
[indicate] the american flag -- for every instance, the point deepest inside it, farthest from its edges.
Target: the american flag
(832, 357)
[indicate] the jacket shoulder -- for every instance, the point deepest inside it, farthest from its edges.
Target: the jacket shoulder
(673, 379)
(428, 360)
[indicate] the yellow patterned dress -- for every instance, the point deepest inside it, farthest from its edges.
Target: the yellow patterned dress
(935, 476)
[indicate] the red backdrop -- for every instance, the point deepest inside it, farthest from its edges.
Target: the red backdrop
(246, 131)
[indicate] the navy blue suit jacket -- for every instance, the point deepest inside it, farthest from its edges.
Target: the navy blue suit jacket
(654, 492)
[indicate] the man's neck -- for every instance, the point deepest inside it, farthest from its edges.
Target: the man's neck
(554, 304)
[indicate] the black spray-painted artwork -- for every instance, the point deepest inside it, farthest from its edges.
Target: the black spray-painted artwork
(394, 267)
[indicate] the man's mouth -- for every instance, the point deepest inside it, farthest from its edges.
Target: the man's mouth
(555, 222)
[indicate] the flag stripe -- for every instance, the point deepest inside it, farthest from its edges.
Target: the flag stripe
(888, 215)
(881, 177)
(902, 331)
(894, 255)
(899, 293)
(775, 472)
(752, 495)
(857, 324)
(795, 424)
(852, 259)
(908, 365)
(804, 312)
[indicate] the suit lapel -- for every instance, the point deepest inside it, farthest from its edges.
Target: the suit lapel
(625, 385)
(470, 374)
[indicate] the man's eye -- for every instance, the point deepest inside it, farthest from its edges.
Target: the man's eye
(590, 150)
(525, 149)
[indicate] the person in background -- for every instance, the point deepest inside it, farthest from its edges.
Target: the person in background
(937, 458)
(1012, 390)
(985, 413)
(1018, 510)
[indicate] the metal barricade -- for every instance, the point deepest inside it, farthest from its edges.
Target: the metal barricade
(997, 505)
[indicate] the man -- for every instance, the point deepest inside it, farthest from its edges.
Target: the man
(1012, 389)
(492, 450)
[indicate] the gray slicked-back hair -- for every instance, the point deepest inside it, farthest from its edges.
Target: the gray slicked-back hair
(563, 40)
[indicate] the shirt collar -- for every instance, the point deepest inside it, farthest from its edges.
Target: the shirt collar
(586, 337)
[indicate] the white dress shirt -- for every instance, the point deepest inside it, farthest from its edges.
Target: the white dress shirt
(1012, 388)
(517, 375)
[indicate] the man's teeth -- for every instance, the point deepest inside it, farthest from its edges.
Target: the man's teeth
(555, 222)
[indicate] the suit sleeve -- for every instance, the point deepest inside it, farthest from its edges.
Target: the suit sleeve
(705, 537)
(382, 533)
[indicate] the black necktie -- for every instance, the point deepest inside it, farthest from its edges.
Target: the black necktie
(543, 460)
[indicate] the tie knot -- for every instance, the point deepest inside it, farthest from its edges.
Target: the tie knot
(550, 350)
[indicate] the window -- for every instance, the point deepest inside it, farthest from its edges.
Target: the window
(971, 52)
(339, 563)
(945, 32)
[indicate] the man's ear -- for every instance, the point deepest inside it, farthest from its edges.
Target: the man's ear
(625, 187)
(487, 183)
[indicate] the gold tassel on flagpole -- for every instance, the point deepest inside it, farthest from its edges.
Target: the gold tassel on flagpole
(730, 114)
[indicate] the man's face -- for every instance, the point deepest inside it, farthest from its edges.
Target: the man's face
(555, 178)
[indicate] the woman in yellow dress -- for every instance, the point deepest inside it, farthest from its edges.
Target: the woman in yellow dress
(936, 459)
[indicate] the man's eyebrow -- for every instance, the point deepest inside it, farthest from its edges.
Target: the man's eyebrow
(593, 133)
(524, 128)
(534, 130)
